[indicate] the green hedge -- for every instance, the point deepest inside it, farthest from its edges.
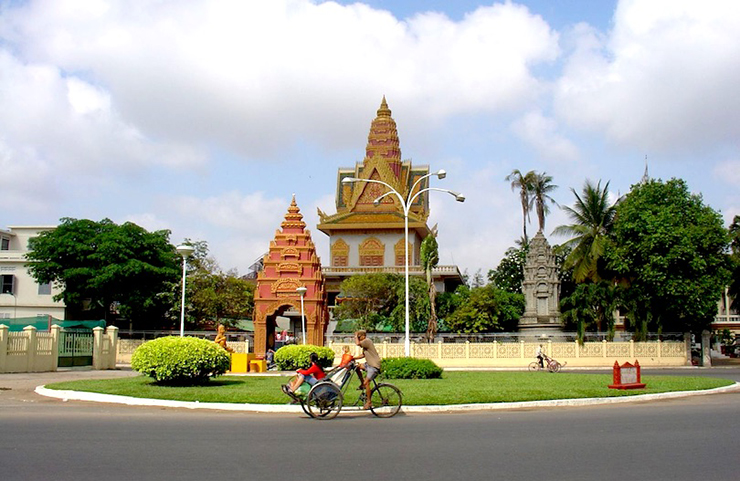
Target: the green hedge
(410, 368)
(180, 360)
(296, 356)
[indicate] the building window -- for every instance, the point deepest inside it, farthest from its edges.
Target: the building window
(340, 253)
(4, 244)
(371, 261)
(372, 253)
(45, 289)
(7, 284)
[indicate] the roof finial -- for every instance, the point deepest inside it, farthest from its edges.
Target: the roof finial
(384, 111)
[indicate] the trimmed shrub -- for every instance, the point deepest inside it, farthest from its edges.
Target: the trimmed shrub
(180, 360)
(296, 356)
(410, 368)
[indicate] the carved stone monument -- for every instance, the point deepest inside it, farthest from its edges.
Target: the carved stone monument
(541, 288)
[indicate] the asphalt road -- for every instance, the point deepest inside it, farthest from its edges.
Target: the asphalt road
(683, 439)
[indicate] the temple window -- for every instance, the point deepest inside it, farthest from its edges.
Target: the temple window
(372, 253)
(339, 253)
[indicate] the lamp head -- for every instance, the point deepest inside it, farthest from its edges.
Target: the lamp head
(376, 202)
(301, 290)
(185, 250)
(459, 197)
(349, 180)
(441, 174)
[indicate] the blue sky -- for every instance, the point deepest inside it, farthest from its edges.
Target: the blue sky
(205, 117)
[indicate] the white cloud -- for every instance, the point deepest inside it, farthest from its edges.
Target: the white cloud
(728, 172)
(543, 134)
(252, 74)
(665, 78)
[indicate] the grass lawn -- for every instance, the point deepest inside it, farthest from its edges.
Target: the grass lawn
(455, 387)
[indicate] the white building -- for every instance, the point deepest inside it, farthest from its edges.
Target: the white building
(20, 295)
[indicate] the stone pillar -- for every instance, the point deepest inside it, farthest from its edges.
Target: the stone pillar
(706, 355)
(55, 332)
(112, 333)
(3, 346)
(30, 333)
(98, 358)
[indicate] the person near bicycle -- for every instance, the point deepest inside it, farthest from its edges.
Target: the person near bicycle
(371, 366)
(311, 375)
(541, 356)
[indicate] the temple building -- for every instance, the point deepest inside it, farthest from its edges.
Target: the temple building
(290, 286)
(367, 238)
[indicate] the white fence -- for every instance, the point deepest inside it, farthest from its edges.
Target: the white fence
(126, 348)
(520, 354)
(33, 351)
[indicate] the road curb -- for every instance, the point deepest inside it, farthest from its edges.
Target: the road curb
(292, 409)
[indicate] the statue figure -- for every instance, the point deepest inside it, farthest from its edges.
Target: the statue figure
(221, 337)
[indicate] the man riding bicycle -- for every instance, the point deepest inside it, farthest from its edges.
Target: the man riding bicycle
(372, 364)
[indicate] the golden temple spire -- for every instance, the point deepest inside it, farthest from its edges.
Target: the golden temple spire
(293, 218)
(382, 141)
(384, 111)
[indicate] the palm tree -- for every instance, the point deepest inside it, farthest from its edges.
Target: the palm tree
(523, 182)
(540, 186)
(429, 251)
(593, 217)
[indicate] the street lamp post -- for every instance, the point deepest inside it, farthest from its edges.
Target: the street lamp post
(302, 291)
(406, 204)
(185, 251)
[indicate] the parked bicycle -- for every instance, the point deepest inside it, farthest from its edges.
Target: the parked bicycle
(549, 363)
(325, 399)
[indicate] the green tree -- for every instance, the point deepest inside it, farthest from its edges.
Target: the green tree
(509, 275)
(214, 296)
(486, 309)
(540, 186)
(734, 289)
(669, 250)
(590, 306)
(97, 264)
(429, 260)
(523, 183)
(593, 218)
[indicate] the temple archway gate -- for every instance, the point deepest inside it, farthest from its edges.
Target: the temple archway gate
(290, 263)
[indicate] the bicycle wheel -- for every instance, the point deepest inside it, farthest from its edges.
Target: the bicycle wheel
(554, 366)
(385, 400)
(534, 366)
(324, 400)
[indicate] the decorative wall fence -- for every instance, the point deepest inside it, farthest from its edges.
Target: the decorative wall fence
(520, 354)
(126, 348)
(34, 351)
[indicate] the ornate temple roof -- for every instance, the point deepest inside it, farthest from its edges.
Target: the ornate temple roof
(382, 162)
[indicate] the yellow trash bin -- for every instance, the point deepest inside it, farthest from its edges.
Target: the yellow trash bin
(238, 362)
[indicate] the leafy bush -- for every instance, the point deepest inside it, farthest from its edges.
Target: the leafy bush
(296, 356)
(410, 368)
(180, 360)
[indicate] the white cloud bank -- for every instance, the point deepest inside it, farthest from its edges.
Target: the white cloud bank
(665, 78)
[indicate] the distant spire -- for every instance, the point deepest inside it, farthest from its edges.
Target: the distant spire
(645, 176)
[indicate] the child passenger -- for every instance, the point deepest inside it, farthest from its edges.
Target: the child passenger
(311, 375)
(346, 357)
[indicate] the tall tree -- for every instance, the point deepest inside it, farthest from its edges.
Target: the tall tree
(377, 300)
(429, 251)
(670, 249)
(523, 183)
(540, 186)
(734, 289)
(509, 275)
(593, 218)
(485, 309)
(97, 264)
